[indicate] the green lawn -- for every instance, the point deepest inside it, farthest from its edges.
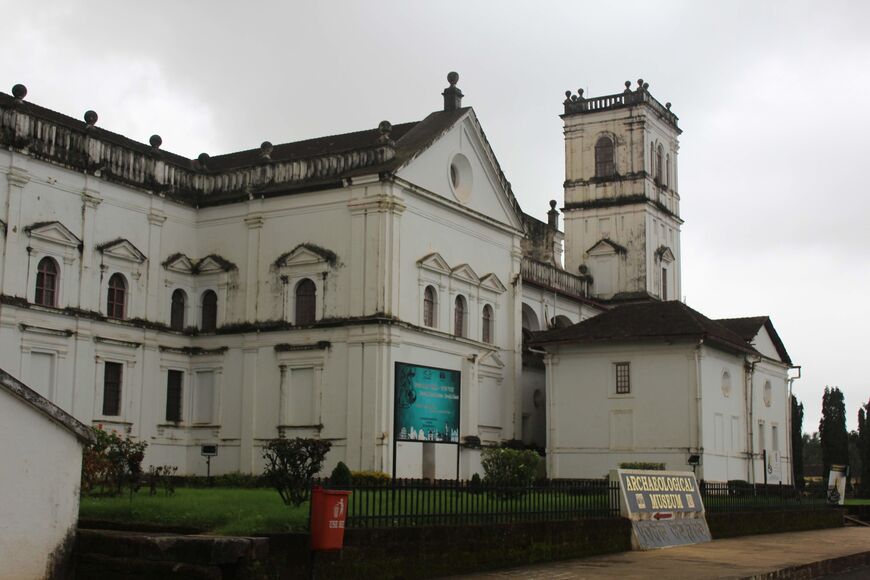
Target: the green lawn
(226, 511)
(857, 501)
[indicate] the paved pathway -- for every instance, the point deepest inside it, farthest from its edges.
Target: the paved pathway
(747, 557)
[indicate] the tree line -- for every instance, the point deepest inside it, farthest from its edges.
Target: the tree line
(832, 444)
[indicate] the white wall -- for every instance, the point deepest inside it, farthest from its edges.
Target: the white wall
(39, 491)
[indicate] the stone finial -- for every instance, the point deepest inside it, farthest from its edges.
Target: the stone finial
(579, 94)
(156, 141)
(553, 215)
(627, 87)
(384, 128)
(452, 94)
(639, 84)
(567, 97)
(668, 105)
(91, 118)
(203, 159)
(19, 91)
(646, 87)
(266, 150)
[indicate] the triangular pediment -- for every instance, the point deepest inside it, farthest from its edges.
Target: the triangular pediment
(466, 273)
(122, 249)
(459, 165)
(493, 361)
(435, 262)
(665, 254)
(179, 263)
(305, 255)
(212, 264)
(491, 282)
(54, 232)
(606, 246)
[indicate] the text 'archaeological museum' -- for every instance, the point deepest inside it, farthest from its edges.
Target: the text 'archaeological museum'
(277, 291)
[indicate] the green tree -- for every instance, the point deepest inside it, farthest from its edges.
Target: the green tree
(864, 448)
(832, 430)
(797, 441)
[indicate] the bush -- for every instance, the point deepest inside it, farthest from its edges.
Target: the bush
(370, 478)
(646, 465)
(291, 464)
(340, 476)
(110, 463)
(161, 476)
(475, 484)
(509, 469)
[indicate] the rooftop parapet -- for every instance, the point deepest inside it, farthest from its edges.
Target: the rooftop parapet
(579, 105)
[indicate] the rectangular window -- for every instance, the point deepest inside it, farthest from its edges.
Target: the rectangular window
(762, 443)
(112, 376)
(203, 400)
(623, 381)
(774, 437)
(174, 380)
(664, 283)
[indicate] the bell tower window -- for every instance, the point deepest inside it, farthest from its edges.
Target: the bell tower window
(659, 165)
(604, 166)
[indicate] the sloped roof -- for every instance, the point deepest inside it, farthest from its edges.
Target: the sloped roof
(749, 327)
(651, 321)
(44, 406)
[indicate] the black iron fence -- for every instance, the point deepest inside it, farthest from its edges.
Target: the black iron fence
(414, 502)
(740, 496)
(420, 503)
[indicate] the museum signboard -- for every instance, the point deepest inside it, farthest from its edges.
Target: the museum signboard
(665, 508)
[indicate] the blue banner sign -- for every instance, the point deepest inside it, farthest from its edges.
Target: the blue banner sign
(426, 404)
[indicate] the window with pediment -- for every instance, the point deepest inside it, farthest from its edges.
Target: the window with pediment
(116, 300)
(487, 324)
(306, 302)
(208, 322)
(460, 308)
(430, 303)
(177, 310)
(47, 282)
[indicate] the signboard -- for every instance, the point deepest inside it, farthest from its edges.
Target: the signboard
(426, 404)
(665, 508)
(774, 467)
(837, 484)
(208, 450)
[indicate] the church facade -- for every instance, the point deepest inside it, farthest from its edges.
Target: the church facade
(270, 292)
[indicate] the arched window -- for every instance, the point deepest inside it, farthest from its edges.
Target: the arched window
(659, 161)
(209, 311)
(429, 298)
(530, 319)
(486, 330)
(604, 166)
(306, 302)
(46, 282)
(116, 301)
(459, 316)
(176, 312)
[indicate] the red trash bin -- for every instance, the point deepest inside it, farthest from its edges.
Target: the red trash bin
(328, 514)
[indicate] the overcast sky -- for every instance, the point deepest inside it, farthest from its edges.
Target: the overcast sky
(772, 98)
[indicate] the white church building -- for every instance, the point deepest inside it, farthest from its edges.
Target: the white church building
(232, 299)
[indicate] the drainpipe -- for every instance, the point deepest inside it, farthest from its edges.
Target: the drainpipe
(748, 388)
(789, 419)
(698, 402)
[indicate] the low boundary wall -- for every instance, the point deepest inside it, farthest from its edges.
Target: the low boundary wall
(395, 553)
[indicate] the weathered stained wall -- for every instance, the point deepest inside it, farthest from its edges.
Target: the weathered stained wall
(39, 492)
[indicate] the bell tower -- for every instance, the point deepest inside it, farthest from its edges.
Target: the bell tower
(622, 206)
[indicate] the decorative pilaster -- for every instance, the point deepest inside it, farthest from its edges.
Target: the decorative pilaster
(89, 280)
(14, 258)
(252, 267)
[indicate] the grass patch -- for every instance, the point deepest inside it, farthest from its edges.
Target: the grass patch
(225, 511)
(857, 501)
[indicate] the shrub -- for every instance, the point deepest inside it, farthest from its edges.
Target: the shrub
(475, 484)
(647, 465)
(511, 470)
(340, 476)
(161, 476)
(370, 478)
(110, 463)
(291, 464)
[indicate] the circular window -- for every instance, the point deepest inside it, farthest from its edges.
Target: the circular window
(768, 393)
(460, 177)
(726, 383)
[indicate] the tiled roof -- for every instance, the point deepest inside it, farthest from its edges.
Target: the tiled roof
(650, 321)
(748, 329)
